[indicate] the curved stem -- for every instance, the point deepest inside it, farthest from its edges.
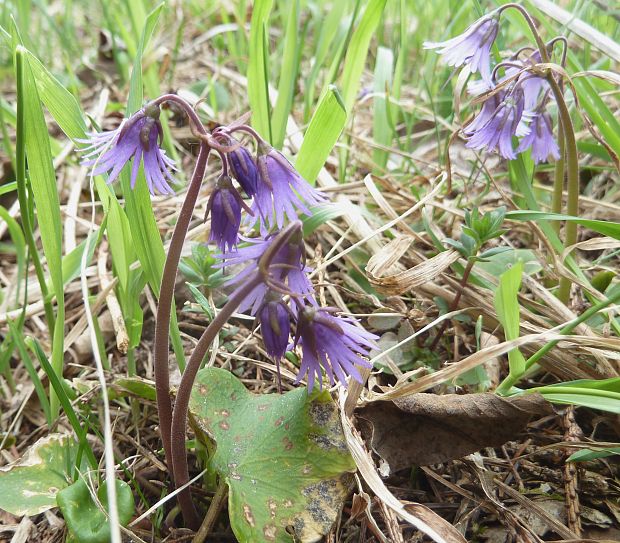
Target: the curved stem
(530, 22)
(558, 178)
(248, 130)
(164, 307)
(572, 171)
(179, 415)
(224, 162)
(572, 163)
(560, 165)
(564, 42)
(180, 469)
(191, 113)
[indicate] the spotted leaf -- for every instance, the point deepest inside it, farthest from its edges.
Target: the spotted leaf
(283, 457)
(30, 485)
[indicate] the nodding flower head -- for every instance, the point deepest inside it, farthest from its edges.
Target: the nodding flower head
(540, 139)
(500, 126)
(225, 206)
(484, 116)
(472, 47)
(137, 138)
(244, 169)
(288, 270)
(531, 84)
(274, 318)
(281, 189)
(334, 344)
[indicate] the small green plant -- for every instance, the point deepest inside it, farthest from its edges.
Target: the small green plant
(477, 231)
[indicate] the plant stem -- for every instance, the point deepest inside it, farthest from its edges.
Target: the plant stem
(180, 469)
(530, 22)
(572, 163)
(164, 307)
(558, 179)
(213, 512)
(185, 106)
(509, 382)
(572, 170)
(455, 302)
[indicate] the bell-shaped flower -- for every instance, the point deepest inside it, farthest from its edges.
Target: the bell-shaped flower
(540, 138)
(288, 269)
(274, 318)
(500, 127)
(472, 47)
(137, 138)
(332, 344)
(224, 207)
(281, 190)
(243, 169)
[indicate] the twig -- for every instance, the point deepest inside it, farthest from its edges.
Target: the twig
(455, 302)
(214, 510)
(570, 473)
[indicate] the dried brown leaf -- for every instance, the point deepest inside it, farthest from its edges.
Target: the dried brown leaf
(425, 429)
(384, 273)
(418, 515)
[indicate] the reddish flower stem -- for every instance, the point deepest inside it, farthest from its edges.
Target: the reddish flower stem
(181, 404)
(455, 302)
(191, 113)
(179, 465)
(164, 308)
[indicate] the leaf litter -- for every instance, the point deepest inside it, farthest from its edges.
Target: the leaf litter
(470, 491)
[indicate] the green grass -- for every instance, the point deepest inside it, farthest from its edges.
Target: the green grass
(367, 97)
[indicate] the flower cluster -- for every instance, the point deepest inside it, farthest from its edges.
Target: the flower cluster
(513, 105)
(328, 342)
(275, 194)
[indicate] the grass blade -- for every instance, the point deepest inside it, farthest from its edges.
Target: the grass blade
(18, 338)
(507, 307)
(145, 234)
(258, 83)
(358, 51)
(55, 382)
(325, 127)
(45, 192)
(607, 228)
(382, 125)
(288, 77)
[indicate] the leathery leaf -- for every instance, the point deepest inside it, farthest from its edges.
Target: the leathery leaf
(283, 456)
(30, 485)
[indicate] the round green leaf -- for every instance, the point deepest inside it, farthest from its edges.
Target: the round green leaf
(86, 522)
(30, 485)
(283, 456)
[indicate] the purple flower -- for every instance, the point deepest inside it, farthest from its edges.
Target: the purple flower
(500, 127)
(281, 189)
(275, 323)
(288, 268)
(540, 139)
(332, 343)
(137, 137)
(531, 85)
(486, 113)
(225, 208)
(472, 48)
(244, 169)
